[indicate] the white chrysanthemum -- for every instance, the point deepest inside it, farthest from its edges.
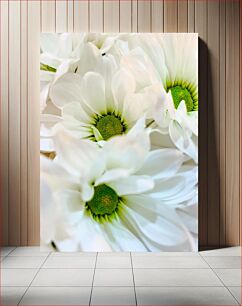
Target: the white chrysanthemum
(169, 60)
(101, 104)
(120, 197)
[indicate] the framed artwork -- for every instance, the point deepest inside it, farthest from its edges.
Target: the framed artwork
(119, 142)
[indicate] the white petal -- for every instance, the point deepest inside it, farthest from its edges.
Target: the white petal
(159, 231)
(128, 151)
(93, 92)
(121, 238)
(82, 158)
(162, 163)
(123, 84)
(183, 140)
(112, 175)
(75, 110)
(66, 89)
(132, 185)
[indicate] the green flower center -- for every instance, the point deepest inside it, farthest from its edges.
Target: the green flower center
(110, 125)
(47, 68)
(183, 94)
(104, 202)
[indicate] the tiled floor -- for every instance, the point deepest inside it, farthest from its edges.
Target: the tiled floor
(32, 277)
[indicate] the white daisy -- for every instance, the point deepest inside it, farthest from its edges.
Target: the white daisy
(101, 104)
(119, 196)
(170, 60)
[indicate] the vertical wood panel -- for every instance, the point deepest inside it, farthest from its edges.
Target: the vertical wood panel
(70, 15)
(33, 123)
(171, 15)
(191, 16)
(81, 15)
(182, 16)
(96, 16)
(48, 16)
(61, 16)
(144, 16)
(134, 15)
(4, 123)
(111, 16)
(24, 124)
(232, 122)
(222, 139)
(213, 123)
(14, 123)
(218, 26)
(157, 16)
(201, 28)
(125, 16)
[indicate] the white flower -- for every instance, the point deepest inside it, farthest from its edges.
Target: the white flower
(120, 197)
(100, 104)
(170, 60)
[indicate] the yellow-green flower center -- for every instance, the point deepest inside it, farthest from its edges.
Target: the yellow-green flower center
(104, 202)
(183, 94)
(47, 68)
(109, 126)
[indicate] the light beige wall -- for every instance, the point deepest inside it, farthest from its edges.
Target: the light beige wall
(217, 23)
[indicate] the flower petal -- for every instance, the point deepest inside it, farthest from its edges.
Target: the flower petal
(132, 185)
(66, 89)
(93, 92)
(162, 163)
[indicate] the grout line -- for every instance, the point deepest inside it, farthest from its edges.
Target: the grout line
(239, 302)
(90, 299)
(220, 279)
(135, 295)
(34, 278)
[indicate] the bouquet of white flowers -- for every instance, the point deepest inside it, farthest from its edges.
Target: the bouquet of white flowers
(119, 142)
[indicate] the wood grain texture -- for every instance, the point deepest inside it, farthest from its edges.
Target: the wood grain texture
(33, 123)
(201, 28)
(14, 123)
(232, 122)
(182, 15)
(96, 16)
(217, 23)
(125, 16)
(24, 124)
(222, 121)
(4, 140)
(111, 16)
(171, 15)
(144, 16)
(157, 16)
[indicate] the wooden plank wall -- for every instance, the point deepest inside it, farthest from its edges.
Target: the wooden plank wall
(217, 23)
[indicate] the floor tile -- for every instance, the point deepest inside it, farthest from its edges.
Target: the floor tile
(23, 262)
(4, 251)
(184, 296)
(236, 292)
(57, 296)
(113, 277)
(175, 277)
(73, 254)
(70, 262)
(17, 277)
(12, 295)
(230, 277)
(64, 277)
(165, 254)
(169, 262)
(29, 251)
(113, 296)
(114, 254)
(232, 251)
(231, 262)
(113, 262)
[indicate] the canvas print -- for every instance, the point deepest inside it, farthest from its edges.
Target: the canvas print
(119, 142)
